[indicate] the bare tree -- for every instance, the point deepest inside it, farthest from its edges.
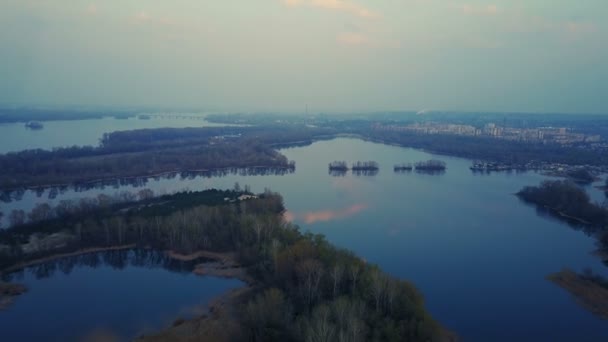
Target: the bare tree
(258, 227)
(310, 272)
(320, 328)
(391, 292)
(355, 269)
(378, 285)
(336, 276)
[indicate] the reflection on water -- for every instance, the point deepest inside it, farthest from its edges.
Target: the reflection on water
(330, 215)
(8, 196)
(122, 293)
(15, 137)
(478, 254)
(117, 259)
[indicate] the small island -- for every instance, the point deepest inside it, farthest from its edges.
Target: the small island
(403, 167)
(365, 166)
(565, 200)
(338, 166)
(430, 166)
(34, 125)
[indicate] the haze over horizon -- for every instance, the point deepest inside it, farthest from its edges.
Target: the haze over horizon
(334, 55)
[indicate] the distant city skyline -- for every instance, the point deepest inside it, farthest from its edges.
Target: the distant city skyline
(533, 56)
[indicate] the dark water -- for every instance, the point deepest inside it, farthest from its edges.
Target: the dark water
(478, 254)
(121, 293)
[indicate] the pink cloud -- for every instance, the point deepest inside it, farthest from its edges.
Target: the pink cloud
(486, 10)
(579, 28)
(335, 5)
(92, 9)
(330, 215)
(142, 16)
(288, 216)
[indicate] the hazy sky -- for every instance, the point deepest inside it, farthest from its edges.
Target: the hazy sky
(334, 55)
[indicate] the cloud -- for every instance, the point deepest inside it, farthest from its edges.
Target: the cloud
(485, 10)
(330, 215)
(351, 38)
(288, 216)
(335, 5)
(92, 9)
(579, 27)
(142, 16)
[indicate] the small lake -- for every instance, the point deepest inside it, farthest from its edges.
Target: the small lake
(116, 293)
(478, 254)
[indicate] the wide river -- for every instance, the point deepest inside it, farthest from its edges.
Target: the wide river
(478, 254)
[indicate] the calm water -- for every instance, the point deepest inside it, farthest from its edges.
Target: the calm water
(16, 137)
(478, 254)
(125, 294)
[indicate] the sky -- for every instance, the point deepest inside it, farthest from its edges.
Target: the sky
(332, 55)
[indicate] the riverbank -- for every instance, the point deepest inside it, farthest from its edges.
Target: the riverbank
(224, 265)
(589, 294)
(8, 293)
(220, 324)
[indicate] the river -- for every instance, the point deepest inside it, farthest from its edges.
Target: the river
(477, 253)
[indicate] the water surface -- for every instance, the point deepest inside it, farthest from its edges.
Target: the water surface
(122, 293)
(62, 133)
(478, 254)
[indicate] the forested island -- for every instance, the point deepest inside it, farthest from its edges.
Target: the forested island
(151, 152)
(403, 167)
(566, 200)
(301, 288)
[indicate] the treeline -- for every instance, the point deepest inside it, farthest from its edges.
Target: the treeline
(567, 200)
(305, 289)
(484, 148)
(146, 153)
(71, 208)
(357, 166)
(366, 165)
(430, 165)
(182, 222)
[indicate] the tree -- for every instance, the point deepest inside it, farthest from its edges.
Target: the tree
(336, 276)
(320, 328)
(354, 275)
(267, 315)
(309, 272)
(145, 194)
(16, 217)
(41, 212)
(377, 286)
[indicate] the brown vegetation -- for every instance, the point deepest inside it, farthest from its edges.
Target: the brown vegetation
(590, 294)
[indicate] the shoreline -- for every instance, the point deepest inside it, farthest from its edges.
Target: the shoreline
(154, 175)
(34, 262)
(588, 294)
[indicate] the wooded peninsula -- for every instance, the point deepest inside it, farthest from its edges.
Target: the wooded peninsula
(301, 288)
